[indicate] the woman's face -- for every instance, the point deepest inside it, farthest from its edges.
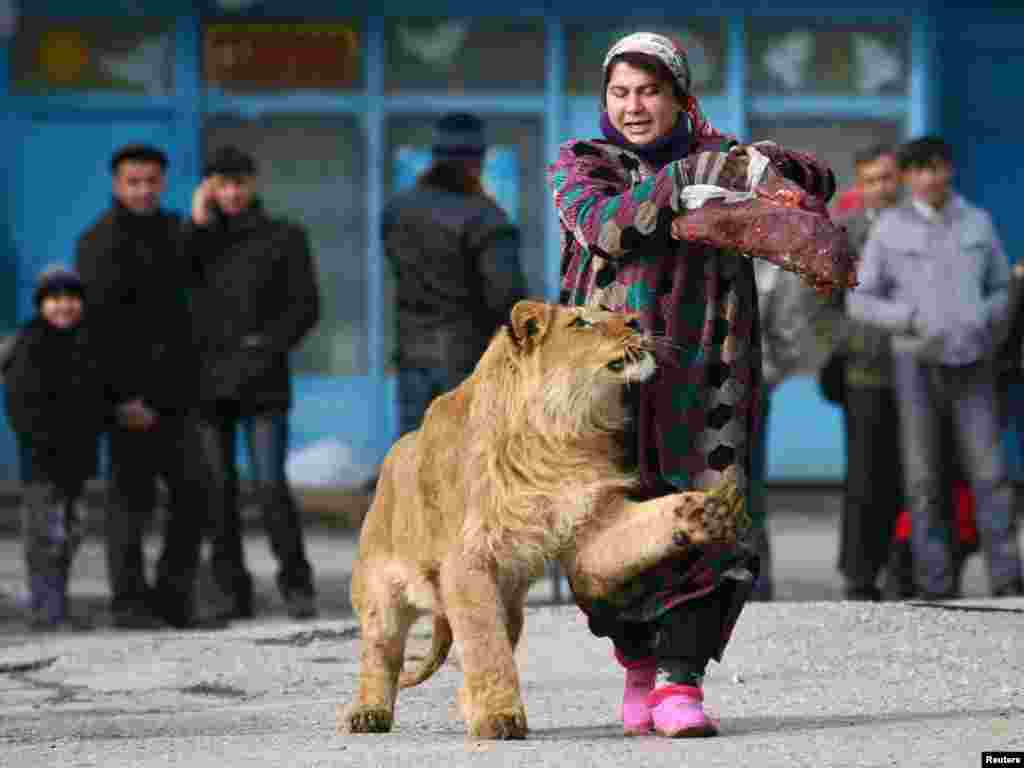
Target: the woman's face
(641, 107)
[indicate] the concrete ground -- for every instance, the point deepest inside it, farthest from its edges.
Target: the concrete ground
(808, 680)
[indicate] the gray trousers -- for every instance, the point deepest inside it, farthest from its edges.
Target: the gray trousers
(926, 393)
(51, 526)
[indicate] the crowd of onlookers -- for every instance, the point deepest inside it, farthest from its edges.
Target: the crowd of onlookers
(173, 333)
(170, 335)
(922, 358)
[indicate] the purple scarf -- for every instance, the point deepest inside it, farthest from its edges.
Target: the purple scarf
(674, 145)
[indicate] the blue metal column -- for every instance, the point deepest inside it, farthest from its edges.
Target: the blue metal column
(923, 106)
(375, 163)
(188, 103)
(736, 76)
(8, 254)
(554, 128)
(375, 191)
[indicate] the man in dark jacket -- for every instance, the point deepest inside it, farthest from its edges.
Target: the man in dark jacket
(874, 481)
(254, 300)
(455, 256)
(135, 286)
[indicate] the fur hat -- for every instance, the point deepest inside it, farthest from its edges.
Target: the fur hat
(57, 280)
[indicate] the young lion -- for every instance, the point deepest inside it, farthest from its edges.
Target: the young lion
(522, 463)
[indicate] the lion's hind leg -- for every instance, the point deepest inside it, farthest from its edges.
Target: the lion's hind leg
(385, 617)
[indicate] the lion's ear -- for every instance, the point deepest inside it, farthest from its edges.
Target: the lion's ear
(528, 322)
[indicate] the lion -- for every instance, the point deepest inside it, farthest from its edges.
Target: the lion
(521, 464)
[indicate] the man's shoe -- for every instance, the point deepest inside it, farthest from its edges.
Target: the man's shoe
(300, 605)
(222, 605)
(867, 592)
(136, 618)
(936, 597)
(1013, 589)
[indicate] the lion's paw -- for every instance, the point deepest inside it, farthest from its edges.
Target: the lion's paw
(702, 519)
(720, 521)
(502, 725)
(364, 719)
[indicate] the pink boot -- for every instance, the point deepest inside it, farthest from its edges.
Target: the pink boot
(678, 712)
(640, 676)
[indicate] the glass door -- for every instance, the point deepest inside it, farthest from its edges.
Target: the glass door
(513, 176)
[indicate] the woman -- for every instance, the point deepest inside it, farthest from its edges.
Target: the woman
(620, 201)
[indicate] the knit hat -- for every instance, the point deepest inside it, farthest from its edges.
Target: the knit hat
(57, 280)
(673, 56)
(230, 161)
(459, 136)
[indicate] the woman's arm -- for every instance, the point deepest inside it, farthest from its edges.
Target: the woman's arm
(598, 206)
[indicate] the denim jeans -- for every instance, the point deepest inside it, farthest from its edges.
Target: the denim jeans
(417, 387)
(266, 435)
(926, 393)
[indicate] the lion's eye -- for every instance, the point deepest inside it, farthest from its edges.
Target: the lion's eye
(578, 322)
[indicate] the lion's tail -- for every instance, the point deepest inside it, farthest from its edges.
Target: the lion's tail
(439, 647)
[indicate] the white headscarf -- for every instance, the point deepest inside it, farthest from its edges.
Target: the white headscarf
(670, 54)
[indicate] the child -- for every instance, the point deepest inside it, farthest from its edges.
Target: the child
(57, 406)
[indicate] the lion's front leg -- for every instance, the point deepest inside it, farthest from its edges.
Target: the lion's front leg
(492, 704)
(641, 534)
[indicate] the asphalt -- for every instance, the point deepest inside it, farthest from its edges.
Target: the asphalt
(807, 680)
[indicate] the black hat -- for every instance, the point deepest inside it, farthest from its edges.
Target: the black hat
(459, 135)
(230, 161)
(57, 280)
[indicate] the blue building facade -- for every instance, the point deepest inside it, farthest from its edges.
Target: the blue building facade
(337, 100)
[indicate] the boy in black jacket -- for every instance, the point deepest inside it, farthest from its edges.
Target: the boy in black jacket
(57, 405)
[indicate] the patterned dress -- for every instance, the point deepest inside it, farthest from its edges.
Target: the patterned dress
(698, 415)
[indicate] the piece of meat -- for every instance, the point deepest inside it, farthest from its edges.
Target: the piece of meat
(781, 223)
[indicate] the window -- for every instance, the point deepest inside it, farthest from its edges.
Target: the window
(513, 175)
(704, 41)
(833, 141)
(130, 55)
(455, 55)
(805, 56)
(272, 56)
(313, 171)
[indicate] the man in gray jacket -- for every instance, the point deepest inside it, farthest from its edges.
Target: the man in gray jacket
(933, 273)
(455, 257)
